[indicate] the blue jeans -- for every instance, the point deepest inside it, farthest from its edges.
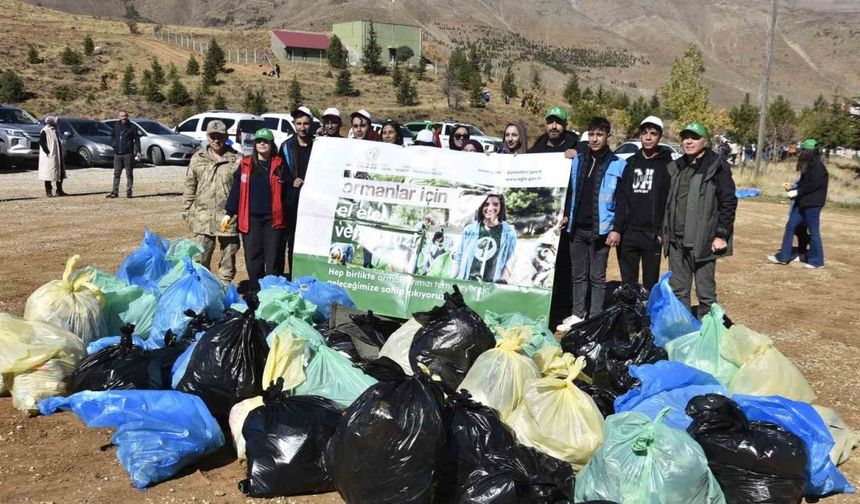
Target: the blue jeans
(811, 217)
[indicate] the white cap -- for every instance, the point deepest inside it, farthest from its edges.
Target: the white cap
(362, 113)
(656, 121)
(424, 136)
(331, 111)
(302, 110)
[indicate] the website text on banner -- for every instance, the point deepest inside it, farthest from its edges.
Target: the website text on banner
(398, 226)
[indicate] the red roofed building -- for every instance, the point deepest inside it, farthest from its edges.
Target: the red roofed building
(294, 45)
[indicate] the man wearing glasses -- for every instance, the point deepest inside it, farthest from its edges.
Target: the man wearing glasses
(126, 147)
(207, 184)
(331, 123)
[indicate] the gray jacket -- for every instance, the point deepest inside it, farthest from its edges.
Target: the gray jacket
(711, 206)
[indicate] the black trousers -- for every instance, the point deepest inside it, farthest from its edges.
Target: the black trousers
(291, 213)
(588, 257)
(562, 287)
(264, 250)
(639, 247)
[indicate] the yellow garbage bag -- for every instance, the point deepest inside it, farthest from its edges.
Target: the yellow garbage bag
(288, 356)
(559, 419)
(36, 359)
(844, 438)
(397, 345)
(75, 305)
(763, 370)
(238, 415)
(552, 361)
(498, 376)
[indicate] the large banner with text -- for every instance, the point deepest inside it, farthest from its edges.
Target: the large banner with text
(397, 227)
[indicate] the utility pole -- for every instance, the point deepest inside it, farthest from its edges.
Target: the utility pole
(762, 120)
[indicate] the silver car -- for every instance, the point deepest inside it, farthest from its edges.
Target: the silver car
(19, 136)
(86, 141)
(160, 144)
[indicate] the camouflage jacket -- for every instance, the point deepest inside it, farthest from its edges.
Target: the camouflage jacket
(207, 184)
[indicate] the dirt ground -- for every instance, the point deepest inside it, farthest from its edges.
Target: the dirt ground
(811, 315)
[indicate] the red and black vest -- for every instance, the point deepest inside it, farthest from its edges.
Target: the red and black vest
(275, 181)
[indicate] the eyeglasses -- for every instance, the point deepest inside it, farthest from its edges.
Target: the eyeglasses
(461, 136)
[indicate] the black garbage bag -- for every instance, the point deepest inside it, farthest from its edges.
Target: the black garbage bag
(387, 445)
(367, 331)
(338, 341)
(227, 364)
(451, 338)
(200, 322)
(285, 442)
(610, 370)
(161, 361)
(603, 398)
(519, 475)
(116, 367)
(754, 462)
(472, 430)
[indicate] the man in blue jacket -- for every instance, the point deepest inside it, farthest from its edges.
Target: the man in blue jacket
(594, 176)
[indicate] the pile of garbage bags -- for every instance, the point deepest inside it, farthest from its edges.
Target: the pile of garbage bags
(641, 403)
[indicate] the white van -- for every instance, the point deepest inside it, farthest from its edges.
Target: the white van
(237, 123)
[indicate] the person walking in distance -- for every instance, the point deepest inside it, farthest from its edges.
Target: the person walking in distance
(640, 201)
(296, 154)
(52, 167)
(125, 140)
(699, 218)
(207, 184)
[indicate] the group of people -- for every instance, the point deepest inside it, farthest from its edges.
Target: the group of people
(646, 207)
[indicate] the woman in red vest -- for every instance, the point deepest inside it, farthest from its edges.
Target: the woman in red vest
(257, 199)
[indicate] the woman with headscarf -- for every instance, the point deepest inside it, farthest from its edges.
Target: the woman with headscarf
(52, 167)
(487, 244)
(258, 200)
(391, 132)
(515, 140)
(473, 146)
(459, 136)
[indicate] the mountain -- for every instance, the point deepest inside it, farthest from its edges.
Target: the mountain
(816, 49)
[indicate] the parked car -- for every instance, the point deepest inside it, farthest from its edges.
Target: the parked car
(490, 143)
(160, 144)
(86, 141)
(282, 126)
(19, 136)
(406, 133)
(627, 149)
(195, 126)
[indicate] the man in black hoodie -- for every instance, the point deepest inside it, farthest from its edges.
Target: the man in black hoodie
(699, 218)
(556, 138)
(640, 201)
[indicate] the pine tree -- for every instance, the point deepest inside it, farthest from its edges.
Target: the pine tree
(70, 57)
(421, 70)
(219, 102)
(89, 46)
(33, 56)
(335, 54)
(295, 93)
(781, 121)
(201, 103)
(172, 72)
(192, 67)
(157, 72)
(255, 102)
(655, 104)
(685, 94)
(396, 75)
(344, 84)
(149, 88)
(476, 98)
(11, 87)
(128, 85)
(571, 90)
(177, 94)
(744, 122)
(371, 58)
(407, 93)
(509, 87)
(210, 72)
(216, 54)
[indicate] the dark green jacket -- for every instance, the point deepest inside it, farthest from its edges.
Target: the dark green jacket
(711, 206)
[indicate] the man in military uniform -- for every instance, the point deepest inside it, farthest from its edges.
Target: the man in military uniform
(207, 184)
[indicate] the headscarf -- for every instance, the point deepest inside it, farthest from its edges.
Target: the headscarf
(521, 128)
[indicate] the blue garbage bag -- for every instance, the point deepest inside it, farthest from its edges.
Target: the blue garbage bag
(669, 317)
(322, 294)
(667, 384)
(747, 193)
(803, 421)
(146, 265)
(181, 362)
(158, 432)
(198, 290)
(231, 297)
(107, 341)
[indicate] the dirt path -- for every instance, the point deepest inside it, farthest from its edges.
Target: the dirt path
(811, 315)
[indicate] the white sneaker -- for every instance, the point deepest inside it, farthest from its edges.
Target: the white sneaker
(773, 259)
(567, 323)
(796, 259)
(812, 266)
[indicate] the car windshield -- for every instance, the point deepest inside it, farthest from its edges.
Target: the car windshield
(628, 148)
(16, 116)
(250, 125)
(91, 128)
(473, 131)
(155, 128)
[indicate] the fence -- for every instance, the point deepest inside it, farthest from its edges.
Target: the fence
(232, 54)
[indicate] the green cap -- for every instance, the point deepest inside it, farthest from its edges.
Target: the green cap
(557, 112)
(697, 128)
(809, 144)
(265, 134)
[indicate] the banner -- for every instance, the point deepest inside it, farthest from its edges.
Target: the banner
(397, 227)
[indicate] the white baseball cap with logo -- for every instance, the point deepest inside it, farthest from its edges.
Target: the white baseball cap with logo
(654, 120)
(332, 112)
(362, 113)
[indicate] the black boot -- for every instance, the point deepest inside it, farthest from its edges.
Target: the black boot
(48, 189)
(60, 191)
